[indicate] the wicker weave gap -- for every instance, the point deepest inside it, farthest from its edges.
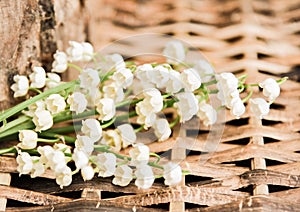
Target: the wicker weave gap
(248, 189)
(238, 122)
(107, 194)
(263, 56)
(241, 163)
(234, 39)
(270, 162)
(277, 188)
(14, 203)
(267, 72)
(242, 141)
(193, 179)
(193, 152)
(270, 122)
(163, 206)
(277, 106)
(72, 194)
(268, 140)
(190, 206)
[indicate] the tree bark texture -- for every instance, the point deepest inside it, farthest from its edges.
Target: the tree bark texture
(30, 33)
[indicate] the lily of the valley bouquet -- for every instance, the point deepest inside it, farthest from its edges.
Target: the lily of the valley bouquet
(82, 125)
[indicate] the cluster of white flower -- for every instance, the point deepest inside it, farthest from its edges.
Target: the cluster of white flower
(119, 138)
(259, 106)
(37, 79)
(99, 97)
(228, 93)
(50, 157)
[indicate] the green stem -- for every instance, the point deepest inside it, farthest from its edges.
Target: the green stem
(44, 140)
(107, 124)
(212, 82)
(252, 85)
(139, 129)
(172, 124)
(71, 65)
(129, 102)
(25, 125)
(100, 148)
(8, 150)
(220, 108)
(153, 164)
(19, 107)
(155, 155)
(242, 78)
(13, 123)
(185, 172)
(213, 91)
(128, 115)
(36, 90)
(67, 129)
(70, 116)
(282, 80)
(67, 139)
(248, 96)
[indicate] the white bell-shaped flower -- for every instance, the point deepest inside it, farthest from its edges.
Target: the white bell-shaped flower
(21, 86)
(123, 77)
(113, 91)
(139, 154)
(190, 79)
(28, 139)
(271, 89)
(204, 69)
(85, 144)
(78, 103)
(113, 139)
(92, 129)
(162, 129)
(160, 75)
(64, 178)
(38, 168)
(87, 173)
(207, 114)
(113, 61)
(38, 77)
(174, 52)
(55, 103)
(106, 109)
(127, 134)
(89, 79)
(42, 120)
(259, 107)
(144, 176)
(80, 51)
(60, 63)
(174, 84)
(187, 105)
(172, 174)
(24, 162)
(52, 80)
(227, 88)
(123, 175)
(106, 163)
(38, 105)
(80, 158)
(238, 107)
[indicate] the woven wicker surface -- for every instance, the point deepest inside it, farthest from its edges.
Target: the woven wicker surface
(256, 166)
